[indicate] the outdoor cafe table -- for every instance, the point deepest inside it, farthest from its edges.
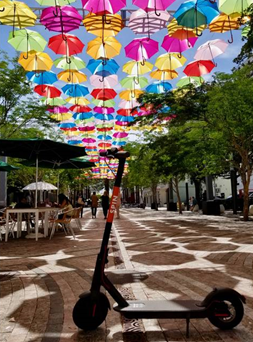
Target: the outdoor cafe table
(36, 212)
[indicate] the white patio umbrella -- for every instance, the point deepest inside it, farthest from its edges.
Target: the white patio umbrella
(40, 186)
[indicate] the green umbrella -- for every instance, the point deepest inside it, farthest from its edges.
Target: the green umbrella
(232, 6)
(55, 2)
(75, 63)
(56, 101)
(26, 40)
(101, 103)
(7, 167)
(132, 82)
(196, 81)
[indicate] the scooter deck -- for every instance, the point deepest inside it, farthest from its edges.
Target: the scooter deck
(162, 309)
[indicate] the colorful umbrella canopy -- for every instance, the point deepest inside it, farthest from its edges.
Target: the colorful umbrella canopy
(141, 49)
(150, 5)
(58, 110)
(107, 82)
(57, 101)
(60, 18)
(95, 66)
(137, 68)
(103, 110)
(120, 135)
(104, 137)
(46, 77)
(127, 112)
(211, 49)
(103, 25)
(171, 44)
(72, 76)
(16, 14)
(159, 87)
(104, 117)
(65, 44)
(197, 81)
(132, 82)
(35, 61)
(47, 91)
(78, 101)
(80, 109)
(128, 104)
(54, 2)
(69, 62)
(75, 90)
(83, 116)
(107, 48)
(130, 94)
(232, 6)
(103, 7)
(142, 22)
(169, 61)
(164, 74)
(198, 68)
(103, 94)
(26, 40)
(178, 31)
(61, 116)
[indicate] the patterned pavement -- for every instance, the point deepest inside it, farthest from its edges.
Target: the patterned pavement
(153, 255)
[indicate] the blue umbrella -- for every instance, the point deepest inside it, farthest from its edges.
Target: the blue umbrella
(164, 109)
(124, 118)
(75, 90)
(96, 65)
(45, 77)
(119, 143)
(82, 116)
(75, 142)
(106, 117)
(159, 87)
(104, 137)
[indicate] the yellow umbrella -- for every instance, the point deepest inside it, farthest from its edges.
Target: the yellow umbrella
(71, 133)
(82, 101)
(108, 48)
(35, 61)
(164, 74)
(16, 14)
(103, 25)
(72, 76)
(137, 68)
(169, 61)
(130, 94)
(173, 27)
(61, 116)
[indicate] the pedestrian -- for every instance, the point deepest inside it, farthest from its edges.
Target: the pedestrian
(94, 204)
(80, 203)
(105, 203)
(118, 204)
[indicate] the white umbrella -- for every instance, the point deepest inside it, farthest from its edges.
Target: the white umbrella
(40, 186)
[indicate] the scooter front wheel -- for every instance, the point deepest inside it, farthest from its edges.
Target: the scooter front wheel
(90, 311)
(228, 312)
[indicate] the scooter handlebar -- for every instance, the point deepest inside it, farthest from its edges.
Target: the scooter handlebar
(115, 153)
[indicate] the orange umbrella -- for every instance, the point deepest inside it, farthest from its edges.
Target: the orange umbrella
(72, 76)
(35, 61)
(164, 74)
(103, 26)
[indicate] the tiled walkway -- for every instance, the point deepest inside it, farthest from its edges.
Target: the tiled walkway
(153, 255)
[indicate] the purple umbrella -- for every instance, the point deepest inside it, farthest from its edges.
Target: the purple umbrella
(171, 44)
(103, 110)
(58, 110)
(61, 19)
(141, 49)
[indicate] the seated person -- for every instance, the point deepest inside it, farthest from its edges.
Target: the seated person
(65, 204)
(23, 204)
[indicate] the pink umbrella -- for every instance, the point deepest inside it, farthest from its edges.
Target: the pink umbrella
(86, 128)
(61, 19)
(89, 140)
(103, 110)
(128, 104)
(153, 5)
(122, 123)
(120, 135)
(211, 49)
(171, 44)
(141, 49)
(106, 82)
(58, 110)
(198, 68)
(103, 6)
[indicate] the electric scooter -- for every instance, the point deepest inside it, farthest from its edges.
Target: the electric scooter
(223, 307)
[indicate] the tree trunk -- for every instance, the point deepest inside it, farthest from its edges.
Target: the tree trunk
(176, 183)
(197, 184)
(246, 183)
(154, 189)
(106, 185)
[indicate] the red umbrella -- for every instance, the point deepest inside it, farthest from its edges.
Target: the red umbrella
(80, 109)
(104, 145)
(127, 112)
(104, 129)
(198, 68)
(65, 44)
(47, 91)
(103, 94)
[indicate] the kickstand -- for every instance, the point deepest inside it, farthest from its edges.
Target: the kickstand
(187, 327)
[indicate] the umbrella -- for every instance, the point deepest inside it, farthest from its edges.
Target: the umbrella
(105, 117)
(61, 18)
(130, 94)
(197, 81)
(82, 116)
(171, 44)
(96, 66)
(104, 137)
(16, 13)
(73, 62)
(210, 49)
(169, 61)
(54, 2)
(40, 186)
(103, 25)
(142, 22)
(72, 76)
(75, 163)
(59, 109)
(127, 112)
(108, 82)
(198, 68)
(26, 40)
(7, 167)
(45, 77)
(137, 68)
(128, 104)
(61, 116)
(159, 87)
(103, 94)
(78, 101)
(164, 74)
(65, 44)
(35, 61)
(103, 110)
(132, 82)
(103, 7)
(102, 103)
(141, 49)
(178, 31)
(57, 101)
(75, 90)
(39, 149)
(232, 6)
(47, 90)
(150, 5)
(107, 47)
(120, 135)
(80, 109)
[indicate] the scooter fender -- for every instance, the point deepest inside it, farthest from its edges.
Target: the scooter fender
(219, 293)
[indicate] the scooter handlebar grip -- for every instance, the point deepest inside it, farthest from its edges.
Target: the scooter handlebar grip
(114, 153)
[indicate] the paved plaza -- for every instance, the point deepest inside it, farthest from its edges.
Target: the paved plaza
(153, 255)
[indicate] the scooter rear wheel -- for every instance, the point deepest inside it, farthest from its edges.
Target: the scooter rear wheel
(235, 308)
(90, 311)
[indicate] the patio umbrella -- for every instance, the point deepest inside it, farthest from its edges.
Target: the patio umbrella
(61, 18)
(103, 7)
(39, 149)
(45, 77)
(35, 61)
(108, 82)
(5, 167)
(75, 90)
(103, 25)
(142, 22)
(72, 76)
(141, 49)
(47, 90)
(211, 49)
(75, 163)
(40, 186)
(198, 68)
(107, 47)
(74, 63)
